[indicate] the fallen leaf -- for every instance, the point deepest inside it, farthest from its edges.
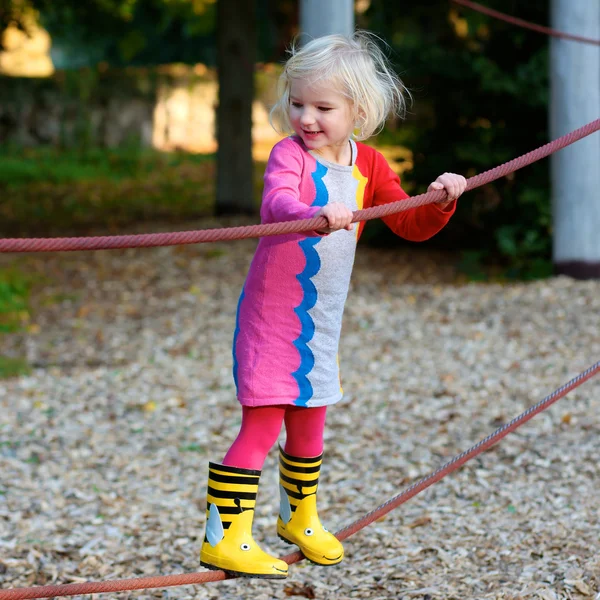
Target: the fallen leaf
(150, 406)
(420, 522)
(297, 589)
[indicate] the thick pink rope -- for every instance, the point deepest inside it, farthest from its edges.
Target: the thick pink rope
(235, 233)
(525, 24)
(141, 583)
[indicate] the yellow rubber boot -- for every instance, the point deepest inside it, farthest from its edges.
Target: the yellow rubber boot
(298, 521)
(228, 544)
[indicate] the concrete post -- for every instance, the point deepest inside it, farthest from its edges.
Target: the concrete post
(323, 17)
(575, 101)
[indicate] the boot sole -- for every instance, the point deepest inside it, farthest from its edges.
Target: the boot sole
(310, 560)
(242, 574)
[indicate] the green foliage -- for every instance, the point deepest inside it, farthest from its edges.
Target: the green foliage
(126, 32)
(14, 316)
(13, 367)
(480, 89)
(48, 191)
(21, 166)
(470, 264)
(145, 32)
(525, 244)
(14, 300)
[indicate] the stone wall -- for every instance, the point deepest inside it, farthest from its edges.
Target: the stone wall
(167, 107)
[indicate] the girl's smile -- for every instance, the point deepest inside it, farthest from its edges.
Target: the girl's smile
(323, 118)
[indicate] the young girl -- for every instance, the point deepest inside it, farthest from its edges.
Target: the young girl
(333, 91)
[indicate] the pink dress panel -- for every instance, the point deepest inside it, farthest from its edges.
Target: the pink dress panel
(265, 356)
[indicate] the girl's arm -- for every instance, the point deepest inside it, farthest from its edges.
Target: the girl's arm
(416, 224)
(281, 195)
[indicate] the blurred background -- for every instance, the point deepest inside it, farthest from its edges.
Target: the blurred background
(108, 113)
(149, 114)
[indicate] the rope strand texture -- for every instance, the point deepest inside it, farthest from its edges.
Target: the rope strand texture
(236, 233)
(525, 24)
(97, 587)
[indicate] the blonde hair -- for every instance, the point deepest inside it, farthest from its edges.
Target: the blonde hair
(359, 70)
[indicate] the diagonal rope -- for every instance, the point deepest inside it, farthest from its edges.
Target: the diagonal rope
(525, 24)
(236, 233)
(97, 587)
(461, 459)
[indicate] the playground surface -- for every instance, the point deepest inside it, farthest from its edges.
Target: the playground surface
(104, 447)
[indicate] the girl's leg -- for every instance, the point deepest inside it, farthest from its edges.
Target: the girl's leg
(231, 499)
(299, 468)
(260, 429)
(304, 430)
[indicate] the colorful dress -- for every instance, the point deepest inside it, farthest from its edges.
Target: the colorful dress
(289, 317)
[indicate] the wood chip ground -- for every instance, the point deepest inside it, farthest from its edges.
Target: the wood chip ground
(104, 447)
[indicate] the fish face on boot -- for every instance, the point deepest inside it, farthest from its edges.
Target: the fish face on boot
(298, 521)
(228, 543)
(306, 531)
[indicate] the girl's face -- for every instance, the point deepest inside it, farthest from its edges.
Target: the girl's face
(323, 118)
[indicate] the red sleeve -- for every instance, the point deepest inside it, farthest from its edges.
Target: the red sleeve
(416, 224)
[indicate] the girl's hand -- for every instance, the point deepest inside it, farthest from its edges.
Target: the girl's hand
(338, 215)
(454, 185)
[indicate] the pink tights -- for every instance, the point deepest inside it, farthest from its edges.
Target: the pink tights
(260, 429)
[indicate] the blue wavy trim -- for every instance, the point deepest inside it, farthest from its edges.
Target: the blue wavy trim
(321, 193)
(313, 264)
(307, 331)
(235, 337)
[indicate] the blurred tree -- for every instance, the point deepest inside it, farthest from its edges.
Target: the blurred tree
(236, 43)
